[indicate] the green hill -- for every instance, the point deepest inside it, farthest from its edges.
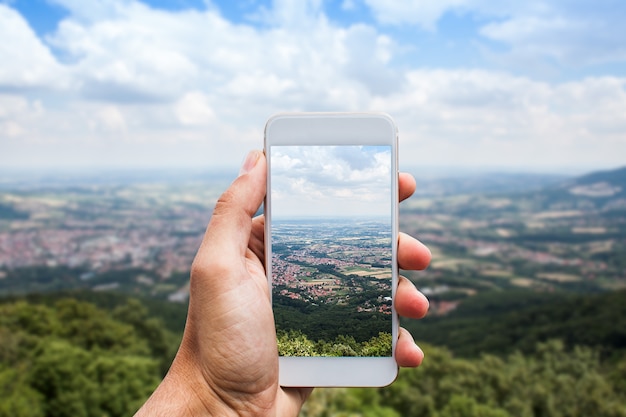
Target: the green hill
(63, 357)
(503, 322)
(171, 315)
(72, 358)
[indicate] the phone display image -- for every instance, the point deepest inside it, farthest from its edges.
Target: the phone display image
(332, 249)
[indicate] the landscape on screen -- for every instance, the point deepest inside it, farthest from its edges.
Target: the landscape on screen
(332, 250)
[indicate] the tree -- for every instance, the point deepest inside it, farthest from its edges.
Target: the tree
(463, 406)
(91, 328)
(59, 374)
(18, 398)
(152, 330)
(77, 360)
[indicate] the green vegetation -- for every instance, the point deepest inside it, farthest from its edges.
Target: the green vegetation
(329, 321)
(60, 356)
(40, 279)
(550, 381)
(74, 359)
(295, 343)
(171, 315)
(503, 322)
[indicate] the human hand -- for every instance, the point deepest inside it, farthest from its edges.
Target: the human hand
(227, 363)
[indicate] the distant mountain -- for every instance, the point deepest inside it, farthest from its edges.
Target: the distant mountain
(600, 184)
(614, 176)
(597, 191)
(485, 183)
(542, 191)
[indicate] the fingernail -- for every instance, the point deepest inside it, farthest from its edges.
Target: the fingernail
(419, 350)
(250, 162)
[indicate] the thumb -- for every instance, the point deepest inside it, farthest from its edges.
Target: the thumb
(228, 232)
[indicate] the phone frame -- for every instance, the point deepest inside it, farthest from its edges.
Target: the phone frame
(368, 128)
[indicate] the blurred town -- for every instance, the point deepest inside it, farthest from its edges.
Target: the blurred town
(565, 234)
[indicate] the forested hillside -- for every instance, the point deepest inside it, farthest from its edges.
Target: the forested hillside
(74, 359)
(502, 322)
(60, 356)
(550, 381)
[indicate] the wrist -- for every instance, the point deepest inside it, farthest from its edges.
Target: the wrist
(183, 394)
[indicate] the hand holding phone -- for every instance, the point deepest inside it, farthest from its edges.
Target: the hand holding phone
(227, 362)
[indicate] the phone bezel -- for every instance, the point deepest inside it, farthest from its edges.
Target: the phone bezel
(335, 129)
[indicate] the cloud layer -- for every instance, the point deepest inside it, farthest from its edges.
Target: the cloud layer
(121, 83)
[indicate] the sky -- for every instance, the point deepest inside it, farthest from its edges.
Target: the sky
(331, 181)
(481, 85)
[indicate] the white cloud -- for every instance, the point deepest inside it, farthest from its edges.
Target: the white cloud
(330, 180)
(535, 31)
(139, 86)
(424, 13)
(284, 162)
(489, 119)
(568, 40)
(139, 54)
(367, 57)
(26, 62)
(297, 14)
(94, 10)
(18, 115)
(110, 119)
(193, 109)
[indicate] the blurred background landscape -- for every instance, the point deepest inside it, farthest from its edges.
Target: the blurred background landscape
(121, 122)
(528, 278)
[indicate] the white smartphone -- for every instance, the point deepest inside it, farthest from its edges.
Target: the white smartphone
(331, 233)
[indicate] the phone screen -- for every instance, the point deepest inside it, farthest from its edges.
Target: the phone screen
(331, 249)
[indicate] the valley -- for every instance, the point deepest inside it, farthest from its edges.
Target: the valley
(141, 238)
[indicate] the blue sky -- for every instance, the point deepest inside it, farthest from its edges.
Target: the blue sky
(472, 84)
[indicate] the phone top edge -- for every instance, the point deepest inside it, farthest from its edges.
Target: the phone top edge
(330, 115)
(341, 128)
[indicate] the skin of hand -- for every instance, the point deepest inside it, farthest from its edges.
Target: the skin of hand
(227, 363)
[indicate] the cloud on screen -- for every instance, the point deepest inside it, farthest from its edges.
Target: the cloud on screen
(325, 180)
